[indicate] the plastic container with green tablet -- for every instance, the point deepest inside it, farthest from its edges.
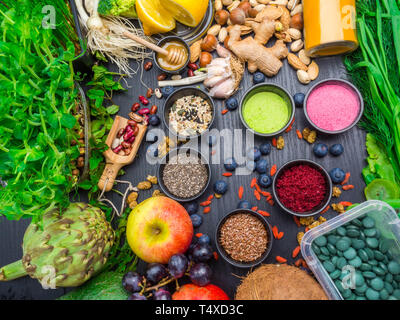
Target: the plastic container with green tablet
(362, 245)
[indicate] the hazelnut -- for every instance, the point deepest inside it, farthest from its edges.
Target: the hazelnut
(296, 21)
(237, 16)
(221, 17)
(205, 59)
(209, 43)
(245, 6)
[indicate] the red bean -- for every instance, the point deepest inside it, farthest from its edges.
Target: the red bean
(190, 73)
(117, 149)
(146, 120)
(131, 140)
(120, 132)
(132, 123)
(153, 110)
(144, 111)
(126, 144)
(128, 135)
(128, 128)
(135, 131)
(135, 107)
(193, 66)
(143, 100)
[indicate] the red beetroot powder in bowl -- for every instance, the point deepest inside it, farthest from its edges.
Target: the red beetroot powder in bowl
(333, 106)
(301, 188)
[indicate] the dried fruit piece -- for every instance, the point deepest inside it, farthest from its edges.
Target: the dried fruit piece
(144, 185)
(132, 197)
(336, 192)
(300, 236)
(152, 179)
(280, 143)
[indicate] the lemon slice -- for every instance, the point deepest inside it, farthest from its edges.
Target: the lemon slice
(154, 17)
(187, 12)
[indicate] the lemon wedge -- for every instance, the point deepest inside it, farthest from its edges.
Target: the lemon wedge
(154, 17)
(187, 12)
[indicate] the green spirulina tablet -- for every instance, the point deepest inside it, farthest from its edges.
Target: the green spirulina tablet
(379, 255)
(372, 294)
(369, 252)
(377, 284)
(363, 255)
(357, 244)
(332, 239)
(360, 298)
(356, 262)
(331, 248)
(321, 241)
(373, 262)
(335, 274)
(341, 231)
(359, 279)
(329, 266)
(365, 267)
(339, 253)
(368, 222)
(315, 248)
(369, 275)
(394, 267)
(384, 246)
(372, 243)
(353, 233)
(389, 277)
(339, 286)
(396, 293)
(383, 294)
(356, 222)
(342, 245)
(350, 253)
(389, 287)
(370, 232)
(341, 262)
(397, 278)
(378, 271)
(323, 257)
(346, 293)
(361, 289)
(325, 251)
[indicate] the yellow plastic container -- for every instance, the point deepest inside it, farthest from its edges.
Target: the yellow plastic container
(329, 27)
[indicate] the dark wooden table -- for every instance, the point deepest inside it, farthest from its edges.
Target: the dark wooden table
(11, 232)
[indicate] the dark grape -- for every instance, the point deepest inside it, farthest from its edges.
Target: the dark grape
(200, 274)
(162, 294)
(132, 282)
(177, 265)
(156, 272)
(202, 252)
(137, 296)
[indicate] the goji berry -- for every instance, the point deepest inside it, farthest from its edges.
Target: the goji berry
(295, 252)
(240, 192)
(280, 259)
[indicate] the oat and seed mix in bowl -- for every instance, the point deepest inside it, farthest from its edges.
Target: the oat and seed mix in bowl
(190, 115)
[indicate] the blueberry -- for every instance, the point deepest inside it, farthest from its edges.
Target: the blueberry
(244, 204)
(152, 150)
(254, 154)
(250, 165)
(264, 180)
(299, 100)
(265, 148)
(262, 166)
(167, 91)
(231, 104)
(258, 77)
(151, 137)
(191, 207)
(212, 140)
(337, 175)
(230, 164)
(320, 150)
(336, 149)
(204, 239)
(154, 120)
(220, 187)
(196, 220)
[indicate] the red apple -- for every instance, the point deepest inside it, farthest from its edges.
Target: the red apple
(194, 292)
(158, 228)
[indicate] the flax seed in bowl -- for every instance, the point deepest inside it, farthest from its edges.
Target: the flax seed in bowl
(243, 238)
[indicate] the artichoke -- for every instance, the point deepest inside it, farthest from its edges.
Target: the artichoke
(67, 248)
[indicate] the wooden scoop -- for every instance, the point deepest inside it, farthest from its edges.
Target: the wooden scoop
(174, 56)
(115, 162)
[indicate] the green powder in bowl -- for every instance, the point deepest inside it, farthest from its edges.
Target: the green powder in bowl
(266, 112)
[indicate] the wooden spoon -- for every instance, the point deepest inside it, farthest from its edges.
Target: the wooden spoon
(174, 56)
(115, 162)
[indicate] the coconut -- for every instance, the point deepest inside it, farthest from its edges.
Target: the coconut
(279, 282)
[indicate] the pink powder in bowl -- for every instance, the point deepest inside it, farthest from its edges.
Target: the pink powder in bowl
(333, 106)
